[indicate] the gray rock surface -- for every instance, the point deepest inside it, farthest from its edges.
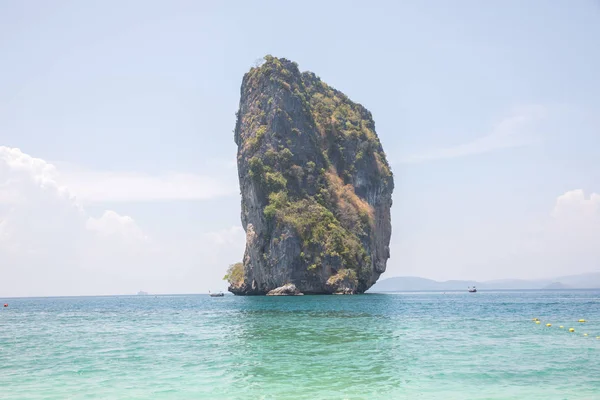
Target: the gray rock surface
(315, 183)
(285, 290)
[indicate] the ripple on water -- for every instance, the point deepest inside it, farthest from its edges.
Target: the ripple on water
(415, 345)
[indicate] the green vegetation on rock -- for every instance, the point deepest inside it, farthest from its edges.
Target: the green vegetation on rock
(235, 274)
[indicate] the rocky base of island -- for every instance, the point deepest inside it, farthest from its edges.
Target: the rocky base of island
(285, 290)
(341, 283)
(344, 282)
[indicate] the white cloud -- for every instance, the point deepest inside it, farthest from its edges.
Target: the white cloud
(574, 205)
(113, 224)
(20, 173)
(51, 245)
(560, 240)
(572, 234)
(35, 210)
(516, 130)
(46, 236)
(120, 186)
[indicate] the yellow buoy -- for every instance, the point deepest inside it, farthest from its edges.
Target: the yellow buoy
(571, 330)
(597, 337)
(561, 327)
(585, 334)
(535, 319)
(537, 322)
(548, 324)
(582, 320)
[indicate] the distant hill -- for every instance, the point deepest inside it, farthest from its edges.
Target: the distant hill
(589, 280)
(413, 283)
(557, 285)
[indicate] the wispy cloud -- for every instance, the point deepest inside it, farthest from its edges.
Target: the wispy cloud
(122, 186)
(516, 130)
(230, 236)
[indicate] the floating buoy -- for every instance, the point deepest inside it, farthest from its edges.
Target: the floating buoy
(585, 334)
(582, 320)
(535, 319)
(571, 330)
(537, 322)
(5, 304)
(561, 327)
(548, 324)
(597, 337)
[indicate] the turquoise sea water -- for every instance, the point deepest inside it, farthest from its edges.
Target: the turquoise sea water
(379, 346)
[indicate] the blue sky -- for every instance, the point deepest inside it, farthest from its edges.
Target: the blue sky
(486, 110)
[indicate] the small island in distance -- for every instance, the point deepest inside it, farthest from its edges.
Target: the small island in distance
(413, 284)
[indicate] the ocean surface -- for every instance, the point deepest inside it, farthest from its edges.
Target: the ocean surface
(377, 346)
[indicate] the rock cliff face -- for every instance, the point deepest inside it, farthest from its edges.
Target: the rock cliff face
(316, 186)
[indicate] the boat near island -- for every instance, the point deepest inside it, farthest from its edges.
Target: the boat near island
(472, 289)
(219, 294)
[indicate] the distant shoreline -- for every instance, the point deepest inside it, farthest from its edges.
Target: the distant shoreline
(483, 290)
(367, 293)
(589, 280)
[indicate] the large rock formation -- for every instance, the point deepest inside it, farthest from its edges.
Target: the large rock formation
(316, 186)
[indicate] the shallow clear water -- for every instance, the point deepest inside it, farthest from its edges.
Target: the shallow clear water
(414, 346)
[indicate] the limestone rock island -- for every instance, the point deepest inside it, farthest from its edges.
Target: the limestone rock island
(316, 187)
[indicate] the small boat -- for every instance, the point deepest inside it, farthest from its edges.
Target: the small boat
(472, 289)
(220, 294)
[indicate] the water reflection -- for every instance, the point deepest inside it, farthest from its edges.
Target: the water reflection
(340, 346)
